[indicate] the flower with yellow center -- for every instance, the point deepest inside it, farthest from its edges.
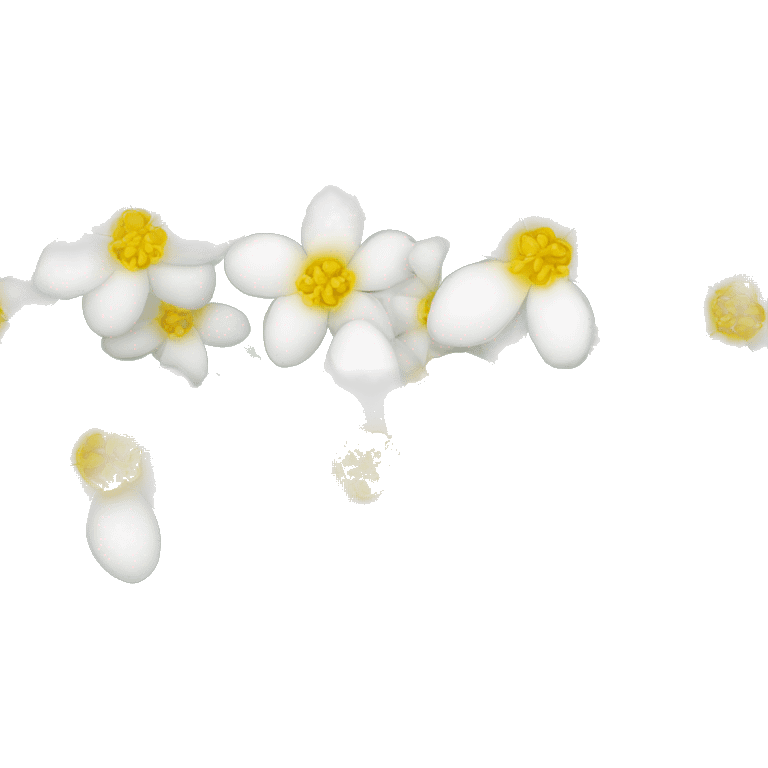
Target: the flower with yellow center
(527, 277)
(115, 267)
(735, 312)
(15, 294)
(122, 531)
(178, 337)
(325, 282)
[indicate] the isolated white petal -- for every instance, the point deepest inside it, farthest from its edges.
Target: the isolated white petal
(67, 270)
(264, 265)
(333, 223)
(113, 308)
(189, 253)
(293, 331)
(361, 306)
(560, 323)
(474, 303)
(426, 260)
(363, 361)
(186, 356)
(220, 325)
(185, 287)
(382, 260)
(138, 342)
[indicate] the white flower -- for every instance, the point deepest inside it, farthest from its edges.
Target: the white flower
(114, 269)
(122, 531)
(477, 303)
(323, 283)
(15, 294)
(177, 337)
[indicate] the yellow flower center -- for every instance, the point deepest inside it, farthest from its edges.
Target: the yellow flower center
(422, 311)
(736, 311)
(107, 461)
(136, 243)
(325, 282)
(539, 256)
(176, 322)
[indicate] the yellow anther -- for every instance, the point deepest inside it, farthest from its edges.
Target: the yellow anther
(176, 322)
(539, 256)
(136, 243)
(736, 310)
(107, 464)
(96, 440)
(422, 311)
(325, 282)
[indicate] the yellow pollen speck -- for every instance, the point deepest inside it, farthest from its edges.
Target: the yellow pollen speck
(136, 243)
(108, 461)
(325, 282)
(422, 311)
(176, 322)
(736, 310)
(539, 256)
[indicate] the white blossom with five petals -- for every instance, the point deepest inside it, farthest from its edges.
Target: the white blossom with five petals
(324, 283)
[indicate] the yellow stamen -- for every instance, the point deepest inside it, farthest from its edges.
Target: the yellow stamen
(539, 256)
(176, 322)
(108, 461)
(136, 243)
(422, 311)
(325, 282)
(736, 310)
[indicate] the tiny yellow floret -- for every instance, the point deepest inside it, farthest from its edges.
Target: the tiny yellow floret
(539, 256)
(136, 243)
(108, 461)
(736, 311)
(176, 322)
(422, 311)
(325, 282)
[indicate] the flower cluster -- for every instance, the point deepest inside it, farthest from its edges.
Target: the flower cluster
(146, 291)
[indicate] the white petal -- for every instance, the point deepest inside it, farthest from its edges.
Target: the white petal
(404, 313)
(123, 534)
(67, 270)
(561, 323)
(264, 265)
(190, 253)
(362, 360)
(185, 287)
(419, 342)
(186, 356)
(426, 260)
(138, 342)
(113, 308)
(475, 303)
(220, 325)
(410, 366)
(333, 224)
(293, 331)
(382, 261)
(361, 306)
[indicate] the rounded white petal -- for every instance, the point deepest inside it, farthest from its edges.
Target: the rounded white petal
(426, 260)
(404, 311)
(220, 325)
(186, 356)
(190, 253)
(113, 308)
(138, 342)
(362, 360)
(418, 341)
(475, 303)
(293, 331)
(67, 270)
(123, 535)
(185, 287)
(264, 265)
(410, 366)
(361, 306)
(382, 261)
(333, 224)
(560, 323)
